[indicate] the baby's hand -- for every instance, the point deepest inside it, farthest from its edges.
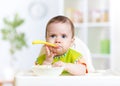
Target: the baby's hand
(49, 55)
(59, 64)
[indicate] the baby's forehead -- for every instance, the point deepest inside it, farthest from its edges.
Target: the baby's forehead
(59, 22)
(59, 26)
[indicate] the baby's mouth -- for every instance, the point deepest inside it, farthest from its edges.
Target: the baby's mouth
(58, 47)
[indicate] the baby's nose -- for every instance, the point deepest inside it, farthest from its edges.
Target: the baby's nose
(57, 41)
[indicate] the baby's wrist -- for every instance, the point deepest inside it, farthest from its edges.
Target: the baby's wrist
(47, 63)
(48, 60)
(67, 66)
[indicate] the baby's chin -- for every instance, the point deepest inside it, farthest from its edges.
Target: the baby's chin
(58, 53)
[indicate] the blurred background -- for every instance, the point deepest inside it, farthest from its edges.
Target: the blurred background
(35, 15)
(22, 21)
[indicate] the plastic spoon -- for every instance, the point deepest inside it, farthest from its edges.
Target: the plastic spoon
(43, 42)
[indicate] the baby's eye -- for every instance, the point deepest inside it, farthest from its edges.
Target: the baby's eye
(63, 36)
(52, 36)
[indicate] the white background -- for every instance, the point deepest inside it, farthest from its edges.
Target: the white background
(33, 27)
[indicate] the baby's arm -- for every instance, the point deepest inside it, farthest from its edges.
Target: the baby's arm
(73, 68)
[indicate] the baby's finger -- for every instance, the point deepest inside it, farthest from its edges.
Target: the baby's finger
(47, 50)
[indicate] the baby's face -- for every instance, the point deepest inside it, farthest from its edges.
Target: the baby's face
(61, 35)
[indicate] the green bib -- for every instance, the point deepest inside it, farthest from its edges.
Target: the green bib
(71, 56)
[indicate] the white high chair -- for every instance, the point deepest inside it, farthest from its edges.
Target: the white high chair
(81, 47)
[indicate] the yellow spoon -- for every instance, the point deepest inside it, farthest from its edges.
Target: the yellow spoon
(43, 42)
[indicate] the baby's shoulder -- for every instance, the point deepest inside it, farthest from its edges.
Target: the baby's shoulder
(74, 52)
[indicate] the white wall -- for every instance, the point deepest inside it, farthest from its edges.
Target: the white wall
(34, 29)
(115, 24)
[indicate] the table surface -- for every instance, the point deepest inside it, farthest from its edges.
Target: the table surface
(101, 78)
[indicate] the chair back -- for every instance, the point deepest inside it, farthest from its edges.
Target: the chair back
(81, 47)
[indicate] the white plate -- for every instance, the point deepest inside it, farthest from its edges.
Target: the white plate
(47, 70)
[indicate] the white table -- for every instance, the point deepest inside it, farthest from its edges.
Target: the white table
(93, 79)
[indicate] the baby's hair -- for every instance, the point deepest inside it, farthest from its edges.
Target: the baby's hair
(62, 19)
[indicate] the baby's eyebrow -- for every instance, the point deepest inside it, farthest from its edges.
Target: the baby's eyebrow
(51, 34)
(64, 34)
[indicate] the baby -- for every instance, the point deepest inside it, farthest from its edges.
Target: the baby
(60, 31)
